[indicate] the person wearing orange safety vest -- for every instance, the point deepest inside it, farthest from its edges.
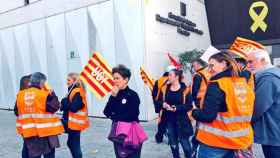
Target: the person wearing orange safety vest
(199, 85)
(75, 114)
(175, 100)
(161, 82)
(200, 79)
(227, 110)
(36, 121)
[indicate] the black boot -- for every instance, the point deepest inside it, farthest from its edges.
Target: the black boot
(175, 151)
(159, 138)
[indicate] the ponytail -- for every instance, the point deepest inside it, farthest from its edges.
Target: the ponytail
(231, 63)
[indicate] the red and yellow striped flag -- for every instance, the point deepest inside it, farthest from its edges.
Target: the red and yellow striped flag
(242, 47)
(146, 78)
(97, 74)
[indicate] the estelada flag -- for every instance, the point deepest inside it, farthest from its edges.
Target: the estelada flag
(243, 47)
(147, 78)
(97, 74)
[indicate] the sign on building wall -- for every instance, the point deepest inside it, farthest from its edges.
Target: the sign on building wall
(253, 19)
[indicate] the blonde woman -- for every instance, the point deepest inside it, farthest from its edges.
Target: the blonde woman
(75, 114)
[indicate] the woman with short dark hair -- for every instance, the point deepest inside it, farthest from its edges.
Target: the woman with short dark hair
(123, 109)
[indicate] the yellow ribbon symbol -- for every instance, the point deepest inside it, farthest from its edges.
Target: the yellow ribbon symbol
(258, 18)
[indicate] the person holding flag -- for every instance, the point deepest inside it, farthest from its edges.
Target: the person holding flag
(240, 50)
(225, 116)
(75, 113)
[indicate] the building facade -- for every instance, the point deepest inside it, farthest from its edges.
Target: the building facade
(58, 36)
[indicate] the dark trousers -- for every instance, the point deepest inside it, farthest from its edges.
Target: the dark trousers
(26, 155)
(174, 141)
(161, 129)
(136, 154)
(195, 142)
(74, 143)
(271, 151)
(24, 152)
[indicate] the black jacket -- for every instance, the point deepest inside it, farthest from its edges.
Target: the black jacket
(124, 107)
(214, 99)
(74, 106)
(180, 117)
(197, 79)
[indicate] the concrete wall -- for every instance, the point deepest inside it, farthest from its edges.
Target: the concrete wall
(43, 35)
(163, 38)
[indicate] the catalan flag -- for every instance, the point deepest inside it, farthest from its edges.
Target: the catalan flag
(97, 74)
(147, 78)
(242, 47)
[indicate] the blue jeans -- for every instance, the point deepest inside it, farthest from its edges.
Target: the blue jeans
(205, 151)
(271, 151)
(74, 143)
(174, 141)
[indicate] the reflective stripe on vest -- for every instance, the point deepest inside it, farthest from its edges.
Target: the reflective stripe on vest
(25, 116)
(76, 120)
(79, 120)
(33, 119)
(231, 129)
(40, 125)
(220, 132)
(81, 113)
(237, 119)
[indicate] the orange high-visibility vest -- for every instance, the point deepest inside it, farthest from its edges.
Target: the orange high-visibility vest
(33, 120)
(203, 86)
(185, 93)
(231, 129)
(79, 120)
(251, 81)
(160, 83)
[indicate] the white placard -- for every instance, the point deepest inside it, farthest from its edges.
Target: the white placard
(208, 53)
(276, 61)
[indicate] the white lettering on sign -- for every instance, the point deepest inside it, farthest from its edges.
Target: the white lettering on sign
(99, 75)
(29, 101)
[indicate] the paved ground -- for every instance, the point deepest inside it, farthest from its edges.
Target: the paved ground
(94, 141)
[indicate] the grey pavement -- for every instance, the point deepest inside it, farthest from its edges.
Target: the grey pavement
(94, 141)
